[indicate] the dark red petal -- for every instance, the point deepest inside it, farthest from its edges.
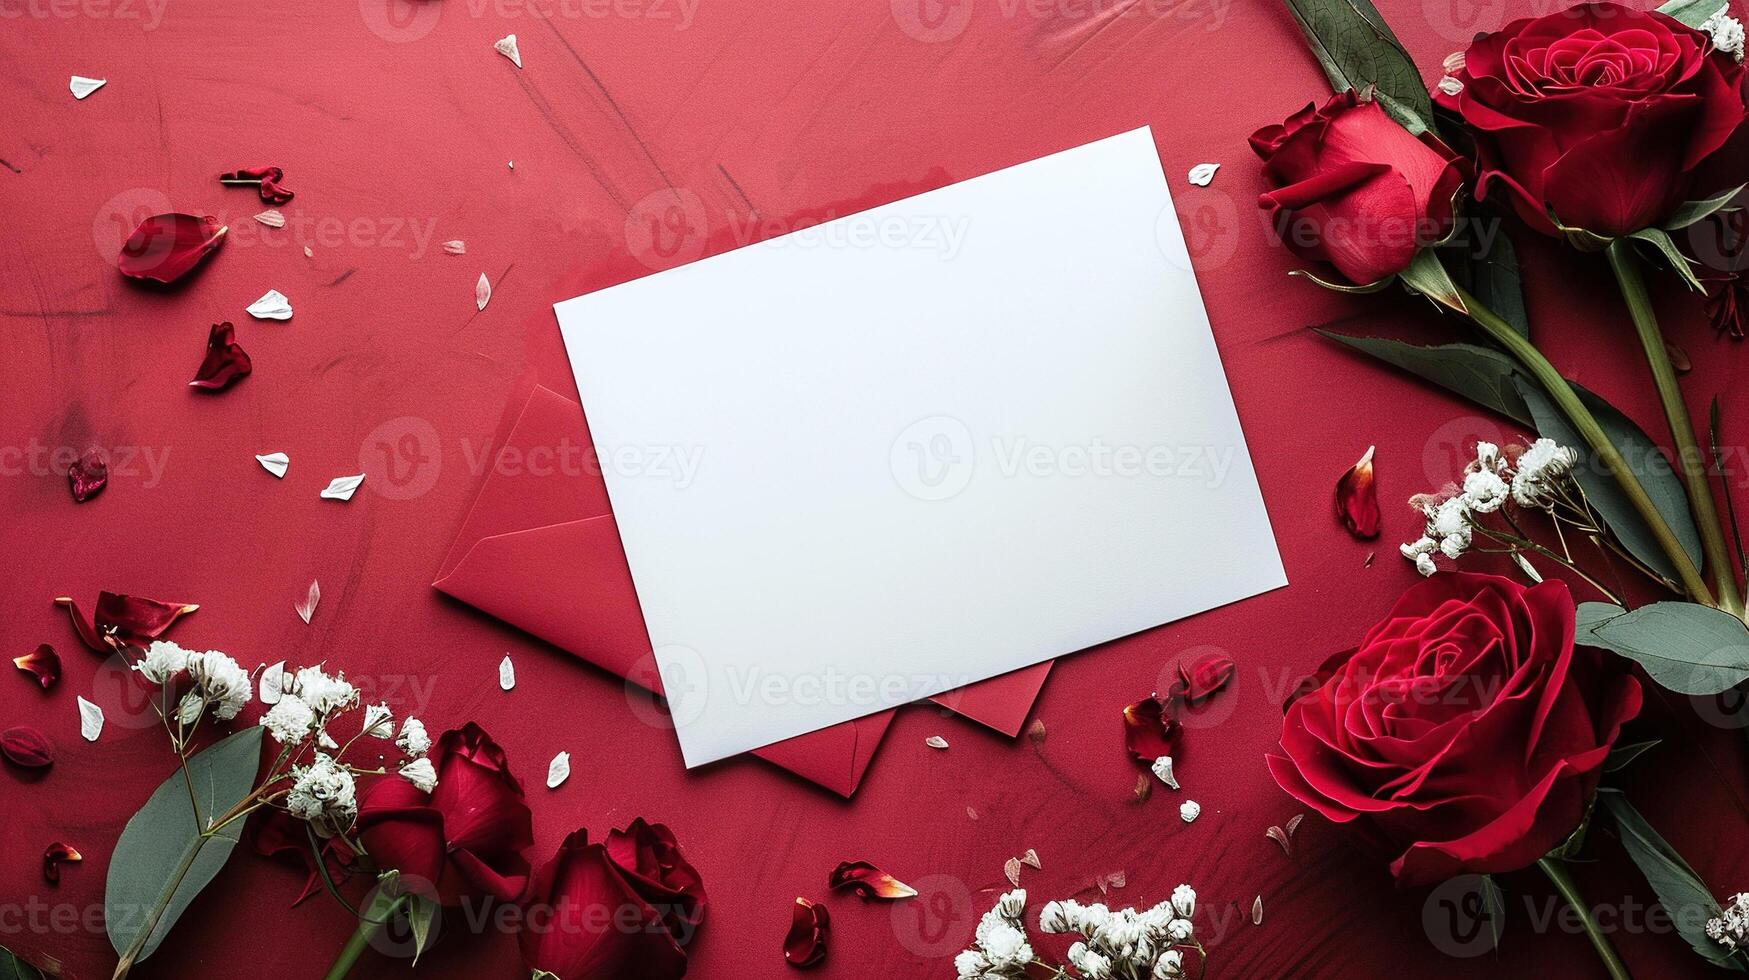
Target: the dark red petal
(136, 618)
(868, 881)
(1357, 499)
(44, 662)
(267, 178)
(1149, 730)
(1205, 675)
(26, 747)
(88, 474)
(225, 360)
(57, 855)
(166, 247)
(809, 927)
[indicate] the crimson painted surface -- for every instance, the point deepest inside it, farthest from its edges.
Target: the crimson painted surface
(644, 134)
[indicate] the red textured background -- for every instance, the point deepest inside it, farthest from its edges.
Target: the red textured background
(395, 124)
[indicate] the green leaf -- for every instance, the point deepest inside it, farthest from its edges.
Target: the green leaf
(1645, 460)
(14, 968)
(1481, 374)
(1490, 274)
(1730, 508)
(420, 914)
(1337, 287)
(1679, 889)
(1692, 12)
(1660, 239)
(1623, 756)
(1684, 646)
(1427, 275)
(163, 859)
(1356, 48)
(1693, 211)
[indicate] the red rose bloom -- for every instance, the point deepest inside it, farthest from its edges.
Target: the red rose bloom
(623, 910)
(1464, 734)
(467, 835)
(1355, 189)
(1607, 116)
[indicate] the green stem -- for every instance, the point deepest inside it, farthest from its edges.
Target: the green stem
(1570, 894)
(381, 912)
(1561, 392)
(1689, 461)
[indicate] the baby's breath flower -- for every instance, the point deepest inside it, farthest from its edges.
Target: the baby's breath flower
(323, 793)
(289, 721)
(379, 722)
(413, 740)
(1484, 491)
(163, 660)
(970, 965)
(1184, 901)
(324, 694)
(1539, 471)
(1727, 31)
(1012, 905)
(1170, 965)
(421, 774)
(220, 682)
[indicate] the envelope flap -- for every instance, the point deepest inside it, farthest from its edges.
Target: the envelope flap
(1002, 702)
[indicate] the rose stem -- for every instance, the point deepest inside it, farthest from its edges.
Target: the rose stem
(1689, 460)
(1562, 392)
(1570, 893)
(381, 911)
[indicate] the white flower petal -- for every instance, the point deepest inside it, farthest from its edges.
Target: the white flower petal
(82, 86)
(1203, 173)
(558, 770)
(275, 463)
(482, 291)
(273, 683)
(342, 487)
(506, 46)
(272, 218)
(935, 742)
(456, 247)
(307, 607)
(90, 720)
(506, 673)
(1189, 810)
(271, 306)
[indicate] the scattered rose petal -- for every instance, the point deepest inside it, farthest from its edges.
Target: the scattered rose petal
(1011, 870)
(558, 770)
(307, 607)
(1149, 730)
(1189, 810)
(88, 475)
(90, 720)
(1203, 173)
(1206, 674)
(1257, 911)
(271, 306)
(868, 881)
(506, 46)
(1030, 859)
(225, 362)
(1280, 837)
(273, 683)
(342, 487)
(27, 747)
(124, 619)
(1293, 823)
(1369, 558)
(482, 292)
(57, 855)
(456, 247)
(275, 463)
(809, 926)
(1453, 63)
(82, 86)
(271, 218)
(307, 253)
(43, 662)
(935, 742)
(166, 247)
(506, 673)
(265, 179)
(1036, 732)
(1357, 499)
(1162, 768)
(971, 813)
(1144, 787)
(1451, 85)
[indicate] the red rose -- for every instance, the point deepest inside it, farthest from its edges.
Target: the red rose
(1465, 733)
(1608, 117)
(1355, 189)
(623, 910)
(467, 835)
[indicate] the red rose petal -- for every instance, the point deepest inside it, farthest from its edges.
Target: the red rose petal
(225, 360)
(44, 662)
(88, 474)
(57, 855)
(809, 927)
(166, 247)
(266, 178)
(1150, 731)
(122, 619)
(1357, 499)
(26, 747)
(868, 881)
(1205, 675)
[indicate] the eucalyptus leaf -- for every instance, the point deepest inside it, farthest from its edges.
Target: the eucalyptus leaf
(166, 854)
(1692, 12)
(1489, 272)
(1694, 211)
(1685, 897)
(1684, 646)
(1481, 374)
(421, 915)
(1645, 460)
(12, 967)
(1356, 48)
(1661, 240)
(1730, 508)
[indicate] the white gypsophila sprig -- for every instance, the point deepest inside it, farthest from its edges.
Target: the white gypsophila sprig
(421, 773)
(218, 681)
(163, 660)
(1540, 471)
(413, 741)
(1491, 481)
(323, 693)
(1731, 928)
(289, 721)
(1726, 31)
(1111, 943)
(324, 794)
(379, 722)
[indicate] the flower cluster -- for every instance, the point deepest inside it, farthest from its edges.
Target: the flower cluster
(1113, 943)
(1726, 31)
(1537, 478)
(1731, 928)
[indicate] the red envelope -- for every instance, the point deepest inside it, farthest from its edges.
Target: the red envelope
(539, 550)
